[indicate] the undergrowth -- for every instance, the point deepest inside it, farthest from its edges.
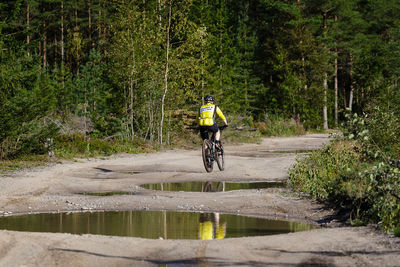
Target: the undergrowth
(276, 125)
(77, 145)
(359, 172)
(30, 161)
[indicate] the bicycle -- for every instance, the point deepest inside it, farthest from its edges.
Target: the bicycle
(214, 187)
(211, 153)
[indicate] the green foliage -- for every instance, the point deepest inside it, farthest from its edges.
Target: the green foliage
(324, 174)
(276, 125)
(378, 132)
(23, 161)
(77, 145)
(27, 100)
(360, 172)
(396, 231)
(106, 62)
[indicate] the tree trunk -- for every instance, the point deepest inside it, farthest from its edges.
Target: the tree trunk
(131, 85)
(336, 83)
(126, 104)
(351, 83)
(28, 38)
(76, 17)
(325, 107)
(90, 25)
(159, 11)
(99, 25)
(160, 137)
(336, 88)
(62, 33)
(168, 129)
(151, 120)
(221, 29)
(44, 45)
(246, 63)
(202, 65)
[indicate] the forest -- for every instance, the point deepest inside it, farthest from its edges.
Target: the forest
(132, 69)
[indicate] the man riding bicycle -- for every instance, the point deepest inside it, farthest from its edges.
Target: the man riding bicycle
(206, 119)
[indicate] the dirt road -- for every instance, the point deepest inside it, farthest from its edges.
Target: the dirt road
(55, 188)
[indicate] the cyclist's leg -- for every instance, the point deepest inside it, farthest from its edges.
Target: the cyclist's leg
(215, 131)
(217, 135)
(204, 132)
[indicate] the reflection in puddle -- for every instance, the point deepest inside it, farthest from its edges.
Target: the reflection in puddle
(211, 186)
(152, 224)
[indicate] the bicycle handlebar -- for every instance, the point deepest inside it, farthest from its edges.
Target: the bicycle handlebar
(222, 127)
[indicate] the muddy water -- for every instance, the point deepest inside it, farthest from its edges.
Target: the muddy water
(211, 186)
(152, 224)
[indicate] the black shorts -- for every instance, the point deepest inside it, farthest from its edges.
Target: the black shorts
(205, 129)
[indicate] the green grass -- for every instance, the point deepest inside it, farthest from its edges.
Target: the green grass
(9, 166)
(74, 147)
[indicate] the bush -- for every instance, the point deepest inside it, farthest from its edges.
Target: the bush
(377, 132)
(325, 174)
(360, 172)
(31, 138)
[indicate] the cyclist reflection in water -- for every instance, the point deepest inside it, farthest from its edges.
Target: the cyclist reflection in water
(210, 225)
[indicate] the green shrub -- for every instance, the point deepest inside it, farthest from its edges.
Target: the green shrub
(325, 174)
(396, 231)
(377, 132)
(360, 172)
(30, 139)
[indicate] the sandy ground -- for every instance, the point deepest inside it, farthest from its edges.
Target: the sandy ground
(54, 188)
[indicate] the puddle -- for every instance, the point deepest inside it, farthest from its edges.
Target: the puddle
(152, 224)
(106, 194)
(295, 151)
(212, 186)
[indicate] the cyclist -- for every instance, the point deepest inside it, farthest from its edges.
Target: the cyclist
(211, 227)
(206, 119)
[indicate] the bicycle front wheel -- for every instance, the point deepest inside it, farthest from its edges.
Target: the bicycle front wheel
(219, 155)
(207, 155)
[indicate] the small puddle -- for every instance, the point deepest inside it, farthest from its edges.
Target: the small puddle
(152, 224)
(295, 151)
(106, 194)
(212, 186)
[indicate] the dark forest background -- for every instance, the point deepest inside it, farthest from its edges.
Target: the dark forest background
(125, 70)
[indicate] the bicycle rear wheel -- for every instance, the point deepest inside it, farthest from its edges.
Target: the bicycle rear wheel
(219, 155)
(208, 159)
(208, 187)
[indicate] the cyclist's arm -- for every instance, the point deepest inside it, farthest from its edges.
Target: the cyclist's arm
(221, 115)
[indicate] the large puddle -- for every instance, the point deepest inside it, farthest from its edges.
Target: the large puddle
(152, 224)
(211, 186)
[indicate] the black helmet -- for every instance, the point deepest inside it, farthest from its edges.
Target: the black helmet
(209, 98)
